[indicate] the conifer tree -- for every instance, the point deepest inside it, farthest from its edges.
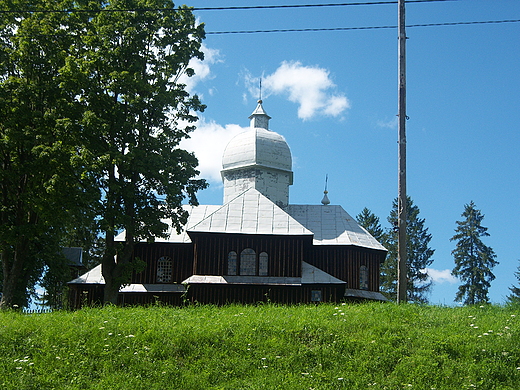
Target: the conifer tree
(371, 223)
(514, 297)
(419, 256)
(474, 260)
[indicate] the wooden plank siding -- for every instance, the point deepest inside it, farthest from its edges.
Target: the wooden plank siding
(344, 262)
(285, 253)
(181, 255)
(252, 294)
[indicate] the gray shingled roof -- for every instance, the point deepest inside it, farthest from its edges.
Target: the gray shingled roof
(332, 225)
(250, 213)
(253, 213)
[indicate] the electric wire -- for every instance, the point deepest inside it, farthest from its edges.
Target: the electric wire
(361, 27)
(230, 8)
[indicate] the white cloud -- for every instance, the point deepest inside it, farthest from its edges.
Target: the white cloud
(310, 87)
(441, 276)
(201, 68)
(208, 142)
(389, 124)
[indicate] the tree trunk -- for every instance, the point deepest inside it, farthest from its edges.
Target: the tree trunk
(14, 281)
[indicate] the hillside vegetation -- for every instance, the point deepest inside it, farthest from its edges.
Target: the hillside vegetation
(363, 346)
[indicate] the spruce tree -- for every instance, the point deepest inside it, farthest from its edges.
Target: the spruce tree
(419, 256)
(371, 223)
(474, 260)
(514, 297)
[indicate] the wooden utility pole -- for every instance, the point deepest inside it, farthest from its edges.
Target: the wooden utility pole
(402, 200)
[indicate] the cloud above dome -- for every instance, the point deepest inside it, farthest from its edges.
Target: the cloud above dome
(311, 87)
(208, 142)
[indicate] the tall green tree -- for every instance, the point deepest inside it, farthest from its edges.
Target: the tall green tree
(123, 73)
(419, 256)
(474, 260)
(39, 190)
(370, 222)
(514, 297)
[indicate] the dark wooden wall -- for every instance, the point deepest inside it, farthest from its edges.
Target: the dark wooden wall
(344, 263)
(285, 252)
(181, 255)
(252, 294)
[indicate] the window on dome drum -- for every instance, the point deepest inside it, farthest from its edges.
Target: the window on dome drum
(248, 262)
(363, 277)
(232, 263)
(164, 270)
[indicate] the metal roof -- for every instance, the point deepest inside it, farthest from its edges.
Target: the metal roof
(332, 225)
(253, 213)
(94, 276)
(257, 147)
(364, 294)
(310, 275)
(250, 213)
(196, 214)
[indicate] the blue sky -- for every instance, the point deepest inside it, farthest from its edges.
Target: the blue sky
(333, 96)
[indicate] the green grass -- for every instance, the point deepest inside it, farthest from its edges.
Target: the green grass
(364, 346)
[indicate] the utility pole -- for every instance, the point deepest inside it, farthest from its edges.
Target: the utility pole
(402, 200)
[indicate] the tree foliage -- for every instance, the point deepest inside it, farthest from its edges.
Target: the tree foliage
(38, 187)
(370, 222)
(474, 260)
(514, 297)
(92, 117)
(419, 256)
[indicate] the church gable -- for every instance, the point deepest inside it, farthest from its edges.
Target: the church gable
(250, 213)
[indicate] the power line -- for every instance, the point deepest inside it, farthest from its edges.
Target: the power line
(326, 29)
(360, 28)
(230, 8)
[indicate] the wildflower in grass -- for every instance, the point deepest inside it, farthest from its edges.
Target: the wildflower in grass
(130, 336)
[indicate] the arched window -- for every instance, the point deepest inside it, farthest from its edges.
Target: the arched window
(232, 263)
(248, 262)
(164, 270)
(263, 261)
(363, 277)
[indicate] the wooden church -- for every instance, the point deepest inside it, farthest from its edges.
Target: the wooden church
(256, 247)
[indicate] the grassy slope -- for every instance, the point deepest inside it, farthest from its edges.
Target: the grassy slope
(367, 346)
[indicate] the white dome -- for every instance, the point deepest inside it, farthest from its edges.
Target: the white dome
(258, 147)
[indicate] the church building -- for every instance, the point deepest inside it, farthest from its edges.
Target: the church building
(256, 246)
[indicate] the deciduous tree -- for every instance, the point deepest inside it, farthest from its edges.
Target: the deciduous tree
(124, 73)
(38, 187)
(474, 260)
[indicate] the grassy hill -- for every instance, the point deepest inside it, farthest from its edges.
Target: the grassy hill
(363, 346)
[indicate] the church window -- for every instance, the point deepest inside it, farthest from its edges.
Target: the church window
(363, 277)
(164, 270)
(232, 263)
(263, 264)
(248, 262)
